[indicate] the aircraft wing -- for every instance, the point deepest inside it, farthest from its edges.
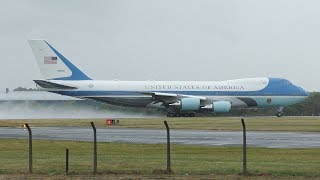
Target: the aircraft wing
(170, 97)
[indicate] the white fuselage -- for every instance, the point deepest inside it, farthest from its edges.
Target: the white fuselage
(253, 92)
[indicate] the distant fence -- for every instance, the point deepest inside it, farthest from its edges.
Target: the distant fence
(154, 152)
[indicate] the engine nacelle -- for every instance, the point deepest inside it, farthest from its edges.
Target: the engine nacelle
(190, 104)
(221, 106)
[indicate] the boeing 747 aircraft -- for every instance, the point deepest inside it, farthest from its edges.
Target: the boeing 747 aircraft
(177, 98)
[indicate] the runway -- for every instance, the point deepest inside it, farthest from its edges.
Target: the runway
(157, 136)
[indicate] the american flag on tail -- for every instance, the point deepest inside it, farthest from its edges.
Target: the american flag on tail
(50, 60)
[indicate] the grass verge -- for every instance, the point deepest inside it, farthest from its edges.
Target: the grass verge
(147, 159)
(305, 124)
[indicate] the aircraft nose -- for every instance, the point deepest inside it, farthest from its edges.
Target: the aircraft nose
(304, 92)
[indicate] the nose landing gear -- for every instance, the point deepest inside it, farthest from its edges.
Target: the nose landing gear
(280, 112)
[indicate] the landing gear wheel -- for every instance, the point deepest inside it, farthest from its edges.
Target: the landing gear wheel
(176, 115)
(279, 114)
(185, 115)
(169, 115)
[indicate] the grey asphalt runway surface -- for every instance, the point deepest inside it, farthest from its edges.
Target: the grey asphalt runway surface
(156, 136)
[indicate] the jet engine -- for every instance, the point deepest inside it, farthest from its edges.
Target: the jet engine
(193, 104)
(188, 104)
(219, 106)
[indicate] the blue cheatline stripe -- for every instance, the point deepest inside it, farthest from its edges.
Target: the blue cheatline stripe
(195, 93)
(76, 73)
(276, 87)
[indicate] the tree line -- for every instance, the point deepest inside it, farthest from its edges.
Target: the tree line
(309, 107)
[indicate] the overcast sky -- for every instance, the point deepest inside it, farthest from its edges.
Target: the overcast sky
(165, 39)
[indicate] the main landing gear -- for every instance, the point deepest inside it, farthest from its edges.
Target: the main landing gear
(190, 114)
(280, 112)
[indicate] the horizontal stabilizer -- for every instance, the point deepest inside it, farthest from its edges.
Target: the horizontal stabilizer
(51, 85)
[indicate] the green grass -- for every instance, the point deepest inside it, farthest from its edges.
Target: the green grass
(147, 159)
(309, 124)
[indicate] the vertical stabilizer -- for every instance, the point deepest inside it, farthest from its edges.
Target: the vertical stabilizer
(53, 65)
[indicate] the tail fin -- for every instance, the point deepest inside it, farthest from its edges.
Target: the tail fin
(53, 65)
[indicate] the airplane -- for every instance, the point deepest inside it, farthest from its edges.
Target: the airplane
(176, 98)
